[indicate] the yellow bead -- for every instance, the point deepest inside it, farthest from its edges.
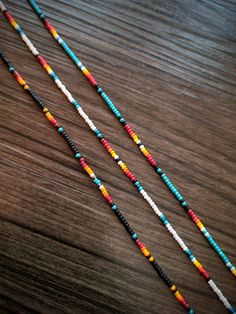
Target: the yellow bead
(234, 272)
(21, 81)
(143, 248)
(45, 109)
(199, 224)
(178, 295)
(26, 87)
(145, 252)
(85, 71)
(47, 68)
(88, 170)
(198, 265)
(145, 152)
(151, 259)
(123, 166)
(13, 23)
(49, 116)
(54, 33)
(173, 288)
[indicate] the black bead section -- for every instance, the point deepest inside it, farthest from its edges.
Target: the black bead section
(69, 142)
(186, 209)
(36, 98)
(162, 274)
(124, 222)
(73, 148)
(5, 60)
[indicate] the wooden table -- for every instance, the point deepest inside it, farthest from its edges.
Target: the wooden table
(169, 66)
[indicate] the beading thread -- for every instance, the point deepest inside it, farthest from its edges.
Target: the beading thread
(122, 165)
(174, 191)
(88, 170)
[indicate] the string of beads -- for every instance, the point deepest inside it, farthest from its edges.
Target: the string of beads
(136, 139)
(122, 165)
(98, 183)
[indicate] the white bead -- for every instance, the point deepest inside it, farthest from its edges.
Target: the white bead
(71, 99)
(58, 82)
(3, 8)
(35, 51)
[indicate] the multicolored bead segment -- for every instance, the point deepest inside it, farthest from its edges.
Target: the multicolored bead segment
(98, 183)
(121, 164)
(135, 138)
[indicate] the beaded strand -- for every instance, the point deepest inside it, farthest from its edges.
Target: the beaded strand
(175, 192)
(98, 183)
(122, 165)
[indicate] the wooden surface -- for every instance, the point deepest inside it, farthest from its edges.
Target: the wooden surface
(170, 68)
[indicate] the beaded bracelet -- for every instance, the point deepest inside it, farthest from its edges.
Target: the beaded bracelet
(122, 165)
(135, 138)
(98, 183)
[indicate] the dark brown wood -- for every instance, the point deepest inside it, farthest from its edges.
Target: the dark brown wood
(170, 68)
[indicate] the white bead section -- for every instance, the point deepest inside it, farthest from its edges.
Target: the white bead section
(64, 90)
(29, 44)
(86, 118)
(219, 293)
(2, 6)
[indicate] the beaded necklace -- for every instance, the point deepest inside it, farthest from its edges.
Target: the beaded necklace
(136, 139)
(97, 182)
(122, 165)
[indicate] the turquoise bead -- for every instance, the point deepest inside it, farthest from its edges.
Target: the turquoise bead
(75, 104)
(114, 208)
(96, 181)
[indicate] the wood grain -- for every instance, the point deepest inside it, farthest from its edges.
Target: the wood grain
(170, 68)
